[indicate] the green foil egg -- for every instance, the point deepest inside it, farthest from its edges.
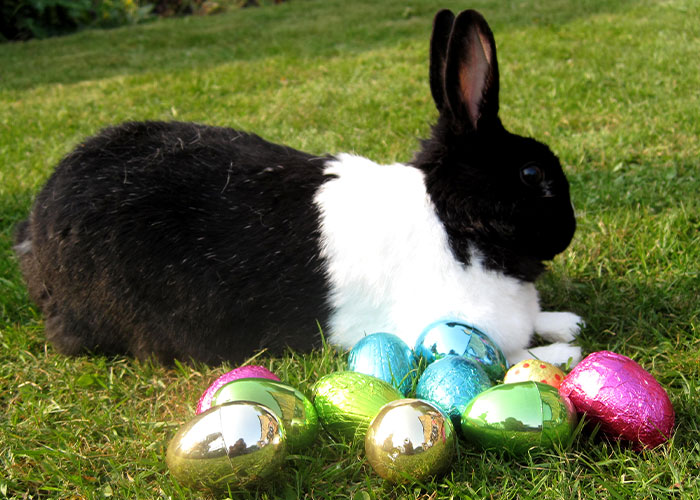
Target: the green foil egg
(232, 445)
(346, 402)
(294, 409)
(410, 440)
(519, 416)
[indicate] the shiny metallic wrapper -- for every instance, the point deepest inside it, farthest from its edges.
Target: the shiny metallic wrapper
(410, 440)
(385, 356)
(452, 382)
(455, 337)
(235, 444)
(247, 371)
(617, 393)
(295, 410)
(346, 402)
(519, 416)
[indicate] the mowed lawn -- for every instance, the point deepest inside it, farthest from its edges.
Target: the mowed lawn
(611, 86)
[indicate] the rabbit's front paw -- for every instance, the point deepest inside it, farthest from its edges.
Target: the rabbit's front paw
(558, 326)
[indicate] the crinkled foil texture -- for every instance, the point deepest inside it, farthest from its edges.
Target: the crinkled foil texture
(346, 402)
(617, 393)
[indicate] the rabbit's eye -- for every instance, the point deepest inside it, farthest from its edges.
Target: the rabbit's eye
(531, 174)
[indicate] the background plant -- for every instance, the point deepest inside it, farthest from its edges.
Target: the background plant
(25, 19)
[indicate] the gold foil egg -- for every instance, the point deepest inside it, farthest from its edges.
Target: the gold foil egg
(536, 371)
(235, 444)
(410, 440)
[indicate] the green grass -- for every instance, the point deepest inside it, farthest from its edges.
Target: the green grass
(610, 85)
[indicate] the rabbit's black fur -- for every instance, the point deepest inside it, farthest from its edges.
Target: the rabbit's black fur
(149, 230)
(187, 241)
(515, 231)
(473, 163)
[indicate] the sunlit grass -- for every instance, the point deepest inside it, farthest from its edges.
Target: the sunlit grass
(611, 86)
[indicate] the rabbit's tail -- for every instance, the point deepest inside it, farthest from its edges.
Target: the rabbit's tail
(23, 239)
(61, 329)
(27, 260)
(24, 249)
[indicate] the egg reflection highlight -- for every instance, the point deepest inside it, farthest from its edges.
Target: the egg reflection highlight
(246, 371)
(235, 444)
(454, 337)
(296, 411)
(410, 440)
(519, 416)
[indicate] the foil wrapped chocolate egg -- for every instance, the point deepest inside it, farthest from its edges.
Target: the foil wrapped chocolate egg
(535, 370)
(295, 410)
(385, 356)
(626, 400)
(453, 337)
(232, 445)
(410, 440)
(452, 382)
(347, 402)
(247, 371)
(519, 416)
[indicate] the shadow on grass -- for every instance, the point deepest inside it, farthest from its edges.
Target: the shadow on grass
(297, 29)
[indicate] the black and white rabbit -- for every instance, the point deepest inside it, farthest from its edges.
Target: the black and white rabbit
(188, 241)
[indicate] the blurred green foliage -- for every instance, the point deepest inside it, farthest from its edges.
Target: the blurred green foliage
(25, 19)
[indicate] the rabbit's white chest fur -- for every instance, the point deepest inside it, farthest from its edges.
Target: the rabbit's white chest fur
(391, 268)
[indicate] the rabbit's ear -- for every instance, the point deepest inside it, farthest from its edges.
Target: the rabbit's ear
(471, 72)
(442, 27)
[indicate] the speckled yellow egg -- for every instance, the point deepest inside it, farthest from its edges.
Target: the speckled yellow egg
(535, 370)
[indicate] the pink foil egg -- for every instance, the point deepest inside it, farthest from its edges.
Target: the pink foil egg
(249, 371)
(615, 392)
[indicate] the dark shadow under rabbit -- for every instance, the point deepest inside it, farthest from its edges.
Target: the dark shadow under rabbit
(188, 241)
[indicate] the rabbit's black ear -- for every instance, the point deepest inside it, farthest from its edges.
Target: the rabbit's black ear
(471, 72)
(442, 27)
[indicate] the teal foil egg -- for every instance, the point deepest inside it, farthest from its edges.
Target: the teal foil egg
(452, 382)
(385, 356)
(294, 409)
(453, 337)
(519, 416)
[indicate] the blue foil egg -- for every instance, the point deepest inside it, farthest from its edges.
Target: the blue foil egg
(454, 337)
(385, 356)
(451, 383)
